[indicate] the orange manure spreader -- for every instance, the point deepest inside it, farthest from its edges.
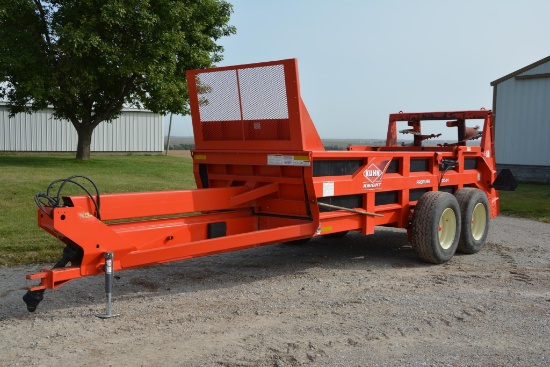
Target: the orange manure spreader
(264, 177)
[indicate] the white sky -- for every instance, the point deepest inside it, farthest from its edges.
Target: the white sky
(361, 60)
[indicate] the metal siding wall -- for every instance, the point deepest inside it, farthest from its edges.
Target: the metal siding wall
(523, 120)
(541, 69)
(29, 132)
(5, 133)
(133, 131)
(36, 132)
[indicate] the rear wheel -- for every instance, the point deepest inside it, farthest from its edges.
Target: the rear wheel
(474, 210)
(436, 227)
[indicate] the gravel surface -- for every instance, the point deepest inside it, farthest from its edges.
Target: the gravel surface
(354, 301)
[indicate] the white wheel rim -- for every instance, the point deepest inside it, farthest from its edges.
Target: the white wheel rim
(447, 228)
(479, 221)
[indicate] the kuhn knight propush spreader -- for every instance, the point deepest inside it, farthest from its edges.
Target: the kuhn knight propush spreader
(264, 177)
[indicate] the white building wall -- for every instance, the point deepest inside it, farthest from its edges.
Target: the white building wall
(522, 125)
(133, 131)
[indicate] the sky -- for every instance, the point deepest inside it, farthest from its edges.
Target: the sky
(359, 61)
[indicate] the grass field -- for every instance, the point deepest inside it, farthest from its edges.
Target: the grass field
(530, 200)
(22, 176)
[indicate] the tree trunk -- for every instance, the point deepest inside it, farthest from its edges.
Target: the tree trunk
(84, 141)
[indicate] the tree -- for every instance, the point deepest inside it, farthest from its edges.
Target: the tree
(90, 58)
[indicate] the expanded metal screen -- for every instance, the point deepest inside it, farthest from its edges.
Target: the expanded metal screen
(243, 104)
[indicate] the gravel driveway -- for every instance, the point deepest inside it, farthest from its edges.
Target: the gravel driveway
(355, 301)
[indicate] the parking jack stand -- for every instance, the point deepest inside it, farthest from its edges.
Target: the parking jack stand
(108, 256)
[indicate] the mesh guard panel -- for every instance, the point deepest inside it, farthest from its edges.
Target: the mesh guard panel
(243, 104)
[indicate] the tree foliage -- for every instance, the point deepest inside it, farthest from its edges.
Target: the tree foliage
(90, 58)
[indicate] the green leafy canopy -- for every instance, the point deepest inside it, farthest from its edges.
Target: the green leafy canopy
(90, 58)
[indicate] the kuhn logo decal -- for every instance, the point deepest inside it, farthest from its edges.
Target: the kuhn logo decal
(374, 173)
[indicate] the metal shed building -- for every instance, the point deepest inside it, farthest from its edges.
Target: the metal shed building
(521, 103)
(134, 131)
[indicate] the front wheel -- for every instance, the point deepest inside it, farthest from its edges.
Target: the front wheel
(436, 227)
(474, 210)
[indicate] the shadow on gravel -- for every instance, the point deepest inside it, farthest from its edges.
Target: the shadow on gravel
(386, 248)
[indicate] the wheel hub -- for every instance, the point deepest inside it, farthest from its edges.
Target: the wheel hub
(447, 228)
(479, 221)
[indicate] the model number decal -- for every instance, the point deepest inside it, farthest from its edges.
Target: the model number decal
(423, 182)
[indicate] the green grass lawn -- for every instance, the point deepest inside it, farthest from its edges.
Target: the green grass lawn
(530, 200)
(23, 175)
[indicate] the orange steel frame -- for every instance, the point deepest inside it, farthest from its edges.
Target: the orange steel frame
(257, 183)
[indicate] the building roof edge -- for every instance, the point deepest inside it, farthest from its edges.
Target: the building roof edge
(519, 71)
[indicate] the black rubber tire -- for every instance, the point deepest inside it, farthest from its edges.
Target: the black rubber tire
(473, 235)
(430, 211)
(336, 235)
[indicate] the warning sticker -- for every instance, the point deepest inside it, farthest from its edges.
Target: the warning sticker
(288, 160)
(324, 229)
(328, 188)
